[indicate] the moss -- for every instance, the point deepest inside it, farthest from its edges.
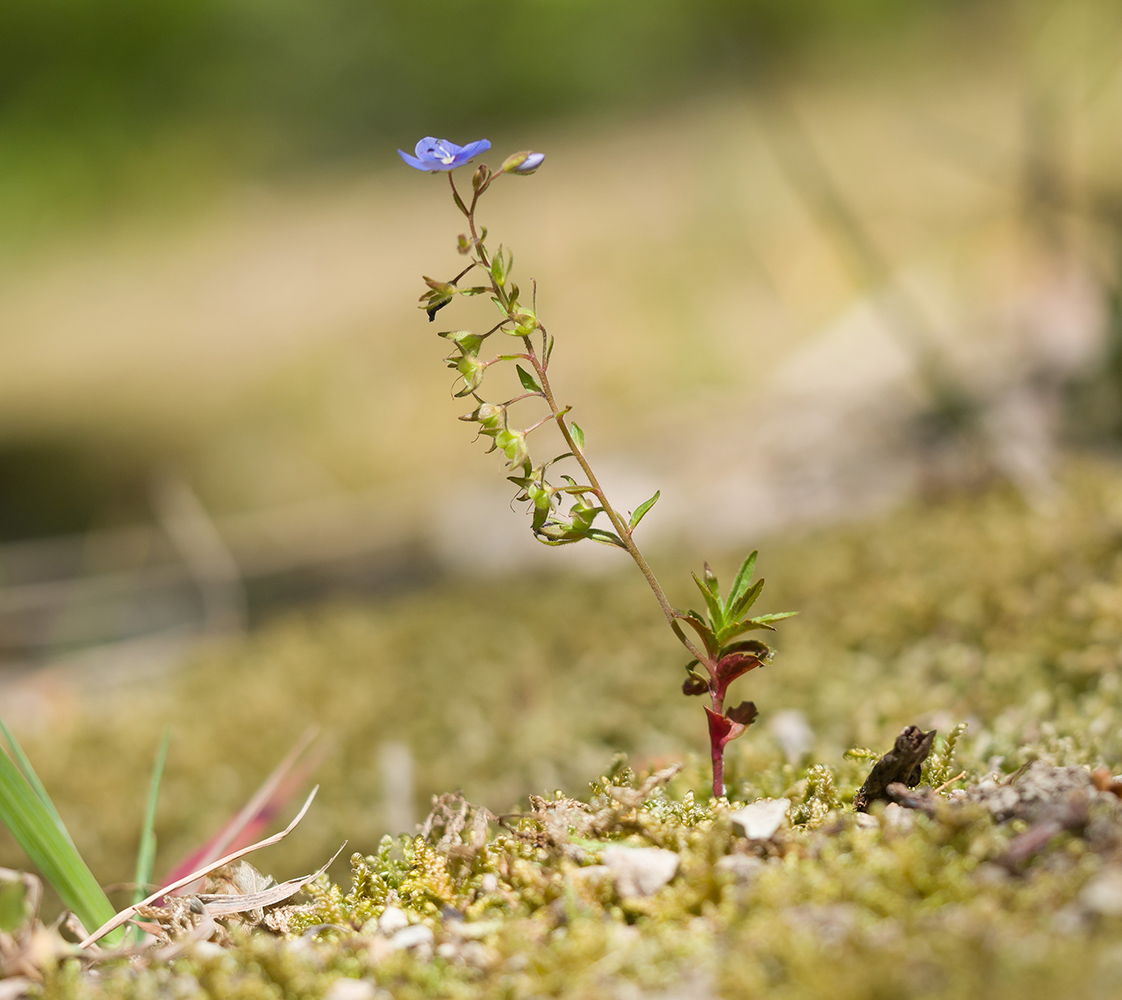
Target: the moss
(838, 905)
(903, 622)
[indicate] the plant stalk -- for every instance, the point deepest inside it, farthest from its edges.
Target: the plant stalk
(618, 523)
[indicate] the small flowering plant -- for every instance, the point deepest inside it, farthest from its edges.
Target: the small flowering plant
(571, 506)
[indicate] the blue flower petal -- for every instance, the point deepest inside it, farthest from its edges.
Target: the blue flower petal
(473, 149)
(426, 147)
(413, 161)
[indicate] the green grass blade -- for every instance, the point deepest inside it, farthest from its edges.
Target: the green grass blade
(32, 778)
(37, 831)
(146, 852)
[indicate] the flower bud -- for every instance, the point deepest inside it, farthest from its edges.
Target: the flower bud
(481, 178)
(499, 268)
(525, 162)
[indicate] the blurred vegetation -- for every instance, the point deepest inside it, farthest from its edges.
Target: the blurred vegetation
(976, 610)
(112, 96)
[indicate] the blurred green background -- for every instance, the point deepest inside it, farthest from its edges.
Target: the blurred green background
(808, 262)
(100, 99)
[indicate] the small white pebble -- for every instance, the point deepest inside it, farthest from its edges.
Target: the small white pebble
(489, 883)
(897, 818)
(1103, 894)
(742, 867)
(479, 955)
(1070, 920)
(411, 937)
(761, 820)
(392, 920)
(640, 871)
(865, 821)
(792, 733)
(351, 989)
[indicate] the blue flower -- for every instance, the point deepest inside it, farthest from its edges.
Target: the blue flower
(440, 154)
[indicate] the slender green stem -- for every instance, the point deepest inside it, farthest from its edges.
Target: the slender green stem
(558, 415)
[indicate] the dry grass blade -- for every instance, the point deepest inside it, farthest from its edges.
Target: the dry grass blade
(128, 911)
(219, 904)
(268, 793)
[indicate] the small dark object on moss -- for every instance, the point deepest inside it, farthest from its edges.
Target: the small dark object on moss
(903, 763)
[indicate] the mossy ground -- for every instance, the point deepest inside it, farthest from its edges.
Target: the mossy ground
(977, 609)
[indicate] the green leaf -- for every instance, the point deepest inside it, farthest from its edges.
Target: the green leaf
(498, 268)
(747, 599)
(734, 629)
(578, 435)
(606, 537)
(716, 612)
(146, 853)
(527, 380)
(777, 617)
(36, 830)
(32, 778)
(642, 509)
(743, 578)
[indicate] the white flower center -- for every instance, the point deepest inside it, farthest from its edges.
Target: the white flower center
(446, 155)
